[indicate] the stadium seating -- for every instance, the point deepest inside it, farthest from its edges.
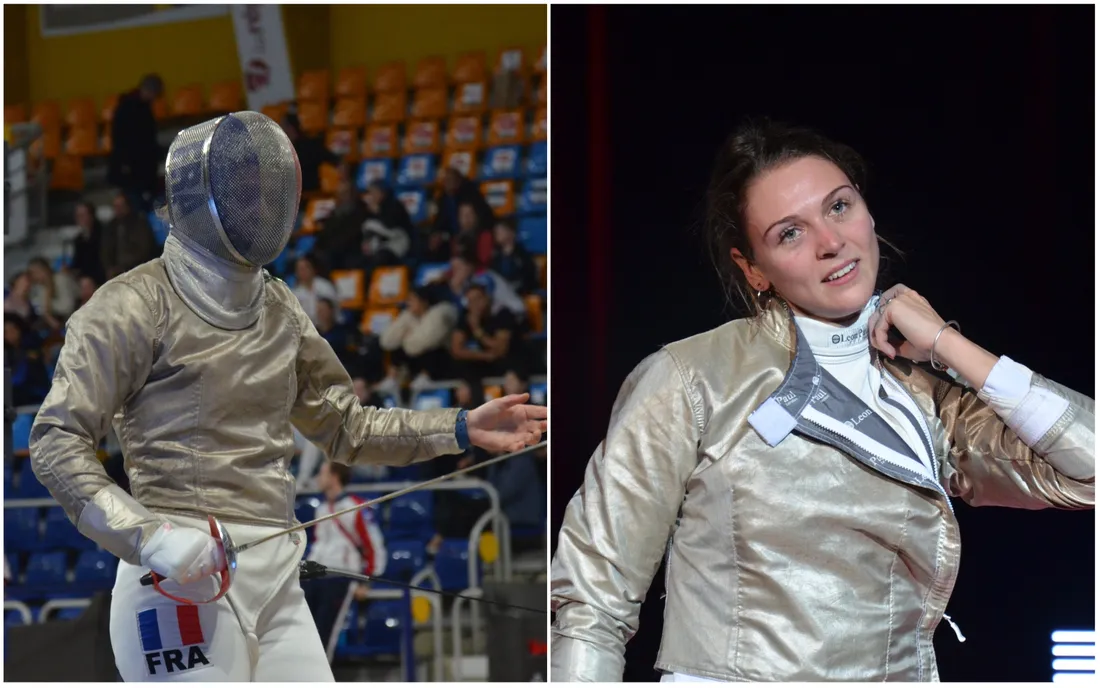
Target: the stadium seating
(410, 516)
(451, 564)
(95, 570)
(406, 558)
(46, 570)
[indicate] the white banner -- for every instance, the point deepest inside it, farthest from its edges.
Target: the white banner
(265, 62)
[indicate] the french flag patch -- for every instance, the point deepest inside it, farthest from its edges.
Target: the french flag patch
(168, 627)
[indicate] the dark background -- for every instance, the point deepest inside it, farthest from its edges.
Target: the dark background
(977, 123)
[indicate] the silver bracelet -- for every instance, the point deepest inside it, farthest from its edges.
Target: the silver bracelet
(932, 353)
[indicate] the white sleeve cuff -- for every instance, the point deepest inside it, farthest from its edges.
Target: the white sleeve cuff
(1028, 410)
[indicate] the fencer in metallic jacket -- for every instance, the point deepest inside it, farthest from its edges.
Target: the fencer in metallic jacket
(798, 549)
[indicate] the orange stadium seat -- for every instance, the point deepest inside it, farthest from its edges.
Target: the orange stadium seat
(376, 320)
(540, 94)
(380, 141)
(160, 108)
(470, 67)
(343, 142)
(540, 267)
(83, 141)
(226, 96)
(330, 179)
(493, 392)
(534, 312)
(351, 82)
(538, 127)
(105, 141)
(49, 145)
(540, 63)
(47, 114)
(461, 160)
(67, 173)
(501, 196)
(389, 286)
(389, 108)
(313, 115)
(316, 211)
(506, 127)
(464, 133)
(15, 114)
(422, 137)
(431, 72)
(430, 103)
(313, 86)
(511, 60)
(349, 288)
(470, 98)
(276, 111)
(188, 101)
(107, 113)
(350, 113)
(391, 78)
(81, 112)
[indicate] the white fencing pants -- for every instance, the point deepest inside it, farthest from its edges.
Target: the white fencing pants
(261, 630)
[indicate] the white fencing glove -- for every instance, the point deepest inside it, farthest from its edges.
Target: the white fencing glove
(184, 555)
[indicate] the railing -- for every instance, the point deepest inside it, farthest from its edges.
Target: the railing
(23, 610)
(24, 193)
(52, 605)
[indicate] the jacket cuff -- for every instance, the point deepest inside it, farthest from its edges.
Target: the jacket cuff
(462, 433)
(1028, 410)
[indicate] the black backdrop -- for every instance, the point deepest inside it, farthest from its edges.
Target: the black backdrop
(978, 126)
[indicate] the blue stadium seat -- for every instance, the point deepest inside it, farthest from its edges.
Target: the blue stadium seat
(532, 234)
(411, 515)
(96, 568)
(46, 569)
(21, 432)
(406, 558)
(432, 399)
(400, 474)
(416, 203)
(12, 618)
(9, 485)
(21, 529)
(13, 565)
(532, 200)
(451, 564)
(416, 170)
(59, 532)
(305, 244)
(306, 508)
(372, 170)
(29, 487)
(538, 393)
(430, 271)
(536, 160)
(382, 634)
(67, 613)
(280, 266)
(500, 162)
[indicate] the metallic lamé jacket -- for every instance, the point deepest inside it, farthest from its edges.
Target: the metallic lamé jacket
(204, 415)
(809, 560)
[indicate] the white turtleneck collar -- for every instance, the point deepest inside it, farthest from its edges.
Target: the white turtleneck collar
(222, 293)
(836, 344)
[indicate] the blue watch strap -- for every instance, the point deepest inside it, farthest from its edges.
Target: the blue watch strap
(462, 433)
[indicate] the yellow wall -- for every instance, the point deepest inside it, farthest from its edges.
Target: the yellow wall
(16, 87)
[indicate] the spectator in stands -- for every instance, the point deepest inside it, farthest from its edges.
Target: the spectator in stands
(344, 340)
(511, 259)
(87, 259)
(351, 542)
(389, 232)
(135, 153)
(341, 234)
(482, 344)
(128, 240)
(457, 190)
(310, 286)
(473, 238)
(53, 295)
(30, 381)
(312, 151)
(87, 286)
(418, 338)
(463, 272)
(18, 300)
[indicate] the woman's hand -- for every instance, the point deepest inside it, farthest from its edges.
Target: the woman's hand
(507, 424)
(912, 315)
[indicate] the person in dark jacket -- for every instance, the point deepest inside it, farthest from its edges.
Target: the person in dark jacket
(457, 191)
(311, 151)
(511, 259)
(135, 153)
(86, 259)
(341, 235)
(128, 240)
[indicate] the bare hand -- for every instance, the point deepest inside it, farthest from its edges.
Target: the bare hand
(912, 315)
(507, 424)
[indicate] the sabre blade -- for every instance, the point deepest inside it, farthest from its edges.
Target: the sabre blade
(392, 495)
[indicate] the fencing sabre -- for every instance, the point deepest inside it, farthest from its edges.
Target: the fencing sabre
(231, 550)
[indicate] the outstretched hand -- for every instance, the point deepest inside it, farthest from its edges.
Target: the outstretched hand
(507, 424)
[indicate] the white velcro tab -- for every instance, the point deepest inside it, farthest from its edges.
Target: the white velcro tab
(772, 421)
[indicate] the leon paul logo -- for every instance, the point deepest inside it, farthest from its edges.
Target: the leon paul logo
(850, 337)
(172, 640)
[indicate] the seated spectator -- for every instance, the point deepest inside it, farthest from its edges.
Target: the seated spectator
(30, 382)
(419, 337)
(18, 300)
(342, 231)
(456, 191)
(53, 295)
(128, 240)
(87, 287)
(351, 542)
(483, 344)
(310, 286)
(344, 340)
(511, 260)
(87, 259)
(389, 230)
(472, 239)
(311, 153)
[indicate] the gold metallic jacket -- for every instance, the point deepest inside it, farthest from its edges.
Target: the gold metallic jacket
(204, 415)
(808, 560)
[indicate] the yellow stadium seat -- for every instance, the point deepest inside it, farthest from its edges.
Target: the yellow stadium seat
(350, 113)
(389, 108)
(47, 114)
(276, 111)
(15, 114)
(350, 289)
(431, 72)
(534, 312)
(511, 60)
(389, 286)
(225, 97)
(313, 116)
(107, 113)
(351, 82)
(462, 160)
(501, 196)
(391, 78)
(188, 101)
(422, 137)
(470, 98)
(83, 141)
(464, 133)
(470, 67)
(538, 127)
(430, 103)
(316, 211)
(67, 173)
(313, 86)
(380, 141)
(81, 113)
(376, 320)
(343, 142)
(506, 127)
(540, 267)
(540, 63)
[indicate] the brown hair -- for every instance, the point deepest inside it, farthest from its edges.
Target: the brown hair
(342, 471)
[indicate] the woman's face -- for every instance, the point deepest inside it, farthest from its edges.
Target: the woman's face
(83, 216)
(303, 271)
(813, 239)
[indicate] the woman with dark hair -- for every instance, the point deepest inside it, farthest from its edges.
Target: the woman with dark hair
(797, 466)
(86, 259)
